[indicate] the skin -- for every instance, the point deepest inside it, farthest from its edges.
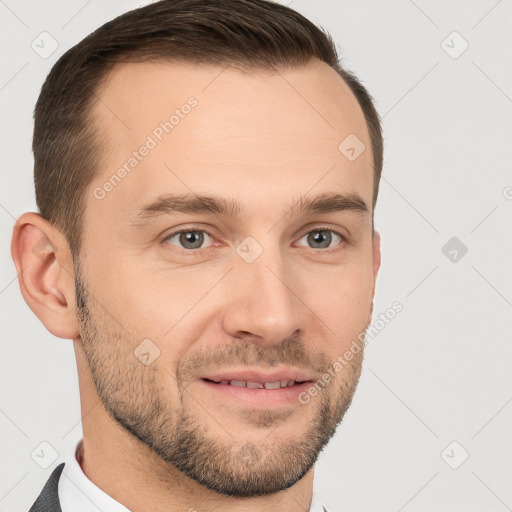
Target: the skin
(263, 139)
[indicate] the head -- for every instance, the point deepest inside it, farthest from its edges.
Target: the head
(203, 219)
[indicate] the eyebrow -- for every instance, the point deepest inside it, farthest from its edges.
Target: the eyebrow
(230, 208)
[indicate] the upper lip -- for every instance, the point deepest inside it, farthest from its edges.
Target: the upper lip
(261, 376)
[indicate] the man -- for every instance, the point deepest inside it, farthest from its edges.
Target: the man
(206, 174)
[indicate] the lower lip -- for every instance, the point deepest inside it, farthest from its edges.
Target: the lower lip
(258, 397)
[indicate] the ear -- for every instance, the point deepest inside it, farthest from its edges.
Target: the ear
(45, 273)
(376, 256)
(376, 267)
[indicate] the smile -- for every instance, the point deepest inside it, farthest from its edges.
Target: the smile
(257, 385)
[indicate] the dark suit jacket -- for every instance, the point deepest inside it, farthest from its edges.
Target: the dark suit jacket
(48, 500)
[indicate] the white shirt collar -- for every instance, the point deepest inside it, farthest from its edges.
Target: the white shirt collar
(77, 493)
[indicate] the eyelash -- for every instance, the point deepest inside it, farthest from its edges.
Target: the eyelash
(192, 252)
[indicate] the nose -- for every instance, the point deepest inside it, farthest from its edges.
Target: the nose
(264, 304)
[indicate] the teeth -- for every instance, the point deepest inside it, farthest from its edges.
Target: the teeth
(254, 385)
(258, 385)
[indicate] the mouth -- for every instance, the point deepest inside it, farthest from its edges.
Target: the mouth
(258, 385)
(257, 389)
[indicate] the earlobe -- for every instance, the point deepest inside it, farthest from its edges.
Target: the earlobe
(45, 273)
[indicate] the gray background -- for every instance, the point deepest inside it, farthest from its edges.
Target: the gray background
(440, 371)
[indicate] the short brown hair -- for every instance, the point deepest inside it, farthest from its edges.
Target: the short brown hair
(252, 34)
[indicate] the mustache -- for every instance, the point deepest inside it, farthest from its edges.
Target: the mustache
(291, 352)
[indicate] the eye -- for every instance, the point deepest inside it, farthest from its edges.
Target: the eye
(322, 238)
(188, 239)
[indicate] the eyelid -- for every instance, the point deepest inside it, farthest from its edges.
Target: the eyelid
(320, 227)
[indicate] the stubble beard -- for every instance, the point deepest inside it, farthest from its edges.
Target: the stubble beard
(232, 467)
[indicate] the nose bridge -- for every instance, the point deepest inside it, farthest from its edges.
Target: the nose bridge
(264, 304)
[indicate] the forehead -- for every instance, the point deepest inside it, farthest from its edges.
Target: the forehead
(191, 128)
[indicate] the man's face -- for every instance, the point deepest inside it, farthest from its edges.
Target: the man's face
(262, 292)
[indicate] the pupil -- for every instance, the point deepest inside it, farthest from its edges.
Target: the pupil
(194, 238)
(321, 237)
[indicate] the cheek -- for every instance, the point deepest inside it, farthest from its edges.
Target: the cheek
(139, 297)
(164, 307)
(344, 303)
